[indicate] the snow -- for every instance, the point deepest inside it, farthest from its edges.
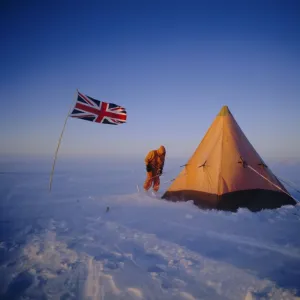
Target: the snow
(67, 245)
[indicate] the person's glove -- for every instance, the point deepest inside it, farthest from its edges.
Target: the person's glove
(148, 168)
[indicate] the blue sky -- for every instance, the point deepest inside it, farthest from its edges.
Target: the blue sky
(172, 64)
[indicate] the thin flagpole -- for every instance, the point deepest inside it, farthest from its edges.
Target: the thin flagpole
(60, 138)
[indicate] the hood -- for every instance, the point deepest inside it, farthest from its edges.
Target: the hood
(161, 150)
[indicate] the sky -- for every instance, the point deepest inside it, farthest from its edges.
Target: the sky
(171, 64)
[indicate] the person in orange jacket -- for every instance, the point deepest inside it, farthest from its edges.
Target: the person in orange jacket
(154, 160)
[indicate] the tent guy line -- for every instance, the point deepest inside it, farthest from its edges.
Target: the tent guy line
(246, 165)
(251, 168)
(290, 184)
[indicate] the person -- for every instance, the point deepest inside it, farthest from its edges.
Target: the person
(154, 160)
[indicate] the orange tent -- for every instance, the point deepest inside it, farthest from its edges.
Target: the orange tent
(225, 172)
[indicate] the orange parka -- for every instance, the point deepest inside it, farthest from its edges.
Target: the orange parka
(156, 158)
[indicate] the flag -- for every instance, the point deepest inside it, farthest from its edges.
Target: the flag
(93, 110)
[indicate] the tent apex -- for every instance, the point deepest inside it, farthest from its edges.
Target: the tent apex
(224, 111)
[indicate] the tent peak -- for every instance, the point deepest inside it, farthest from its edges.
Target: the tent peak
(224, 111)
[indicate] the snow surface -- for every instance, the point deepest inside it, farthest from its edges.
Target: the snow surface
(95, 237)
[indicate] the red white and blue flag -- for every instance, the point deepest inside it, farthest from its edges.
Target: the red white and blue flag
(93, 110)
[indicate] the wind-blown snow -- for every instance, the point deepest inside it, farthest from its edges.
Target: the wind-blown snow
(68, 245)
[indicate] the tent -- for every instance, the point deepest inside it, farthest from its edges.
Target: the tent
(225, 172)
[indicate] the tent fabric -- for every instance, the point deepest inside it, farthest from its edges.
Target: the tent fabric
(217, 170)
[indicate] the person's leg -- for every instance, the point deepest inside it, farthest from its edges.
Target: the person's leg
(148, 181)
(156, 183)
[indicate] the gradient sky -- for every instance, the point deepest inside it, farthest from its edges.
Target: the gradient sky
(172, 64)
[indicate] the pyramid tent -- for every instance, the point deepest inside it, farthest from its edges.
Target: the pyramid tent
(225, 172)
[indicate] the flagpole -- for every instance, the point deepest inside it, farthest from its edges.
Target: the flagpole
(60, 138)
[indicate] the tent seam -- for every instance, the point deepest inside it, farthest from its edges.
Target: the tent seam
(219, 179)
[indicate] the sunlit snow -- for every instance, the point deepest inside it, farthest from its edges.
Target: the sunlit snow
(96, 237)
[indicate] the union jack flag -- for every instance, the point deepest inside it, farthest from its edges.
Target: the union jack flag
(93, 110)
